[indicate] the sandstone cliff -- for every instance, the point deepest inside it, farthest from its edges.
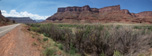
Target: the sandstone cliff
(3, 20)
(108, 14)
(78, 9)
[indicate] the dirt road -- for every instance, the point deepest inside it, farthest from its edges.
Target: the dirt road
(18, 42)
(6, 29)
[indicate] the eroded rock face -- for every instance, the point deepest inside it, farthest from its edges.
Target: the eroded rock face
(144, 17)
(110, 9)
(95, 10)
(78, 9)
(61, 9)
(145, 14)
(105, 15)
(86, 8)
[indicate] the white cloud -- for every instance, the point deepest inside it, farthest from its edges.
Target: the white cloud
(14, 13)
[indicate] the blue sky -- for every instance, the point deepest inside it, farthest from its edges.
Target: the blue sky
(49, 7)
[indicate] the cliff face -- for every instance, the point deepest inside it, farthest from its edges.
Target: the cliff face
(145, 14)
(110, 9)
(78, 9)
(3, 20)
(22, 19)
(108, 14)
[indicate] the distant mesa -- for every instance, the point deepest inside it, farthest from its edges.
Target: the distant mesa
(22, 19)
(110, 14)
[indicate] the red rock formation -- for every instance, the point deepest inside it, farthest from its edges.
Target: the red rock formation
(110, 9)
(125, 11)
(95, 10)
(86, 8)
(144, 17)
(104, 15)
(145, 14)
(3, 20)
(61, 9)
(78, 9)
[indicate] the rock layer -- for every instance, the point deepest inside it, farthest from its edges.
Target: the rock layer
(108, 14)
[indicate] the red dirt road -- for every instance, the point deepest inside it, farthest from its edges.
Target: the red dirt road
(18, 42)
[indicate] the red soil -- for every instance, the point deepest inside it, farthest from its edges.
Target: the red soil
(18, 42)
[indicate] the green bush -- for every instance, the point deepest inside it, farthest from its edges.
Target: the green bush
(150, 28)
(137, 27)
(102, 54)
(50, 52)
(117, 53)
(60, 46)
(36, 29)
(72, 52)
(45, 39)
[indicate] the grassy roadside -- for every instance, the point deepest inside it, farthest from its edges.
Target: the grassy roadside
(49, 46)
(96, 40)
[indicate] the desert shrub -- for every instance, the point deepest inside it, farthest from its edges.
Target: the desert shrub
(36, 29)
(118, 26)
(150, 27)
(60, 46)
(117, 53)
(128, 41)
(102, 54)
(54, 32)
(46, 34)
(45, 39)
(34, 25)
(97, 40)
(123, 39)
(137, 27)
(49, 52)
(88, 40)
(45, 28)
(68, 25)
(141, 55)
(72, 50)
